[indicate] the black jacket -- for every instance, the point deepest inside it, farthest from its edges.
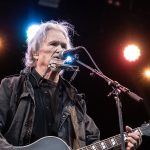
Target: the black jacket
(17, 110)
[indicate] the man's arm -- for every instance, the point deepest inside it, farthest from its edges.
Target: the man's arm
(5, 93)
(92, 132)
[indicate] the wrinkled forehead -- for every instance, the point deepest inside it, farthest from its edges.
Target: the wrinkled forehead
(57, 30)
(57, 35)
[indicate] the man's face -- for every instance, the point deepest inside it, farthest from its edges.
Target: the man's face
(48, 52)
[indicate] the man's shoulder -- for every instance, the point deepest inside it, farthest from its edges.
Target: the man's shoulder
(11, 80)
(16, 77)
(11, 77)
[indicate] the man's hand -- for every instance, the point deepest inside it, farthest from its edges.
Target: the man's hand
(134, 139)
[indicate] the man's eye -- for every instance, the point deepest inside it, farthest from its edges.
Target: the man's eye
(64, 46)
(54, 44)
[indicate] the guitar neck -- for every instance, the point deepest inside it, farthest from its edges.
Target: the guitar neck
(106, 144)
(114, 141)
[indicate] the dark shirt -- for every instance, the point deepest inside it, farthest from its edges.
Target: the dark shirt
(46, 106)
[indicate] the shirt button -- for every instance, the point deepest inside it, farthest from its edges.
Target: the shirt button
(46, 92)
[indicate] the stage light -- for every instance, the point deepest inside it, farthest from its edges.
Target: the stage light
(131, 53)
(147, 73)
(32, 30)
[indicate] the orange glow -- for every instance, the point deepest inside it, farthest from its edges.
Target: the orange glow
(147, 73)
(131, 53)
(2, 46)
(1, 43)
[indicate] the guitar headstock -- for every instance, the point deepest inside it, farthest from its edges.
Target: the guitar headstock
(145, 128)
(146, 123)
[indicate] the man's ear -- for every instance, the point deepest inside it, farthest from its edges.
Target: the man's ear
(35, 56)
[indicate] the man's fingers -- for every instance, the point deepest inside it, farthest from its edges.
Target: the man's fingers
(130, 146)
(134, 138)
(129, 129)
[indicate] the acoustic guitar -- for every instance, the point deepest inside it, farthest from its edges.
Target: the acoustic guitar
(55, 143)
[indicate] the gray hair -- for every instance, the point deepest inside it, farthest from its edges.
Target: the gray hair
(33, 44)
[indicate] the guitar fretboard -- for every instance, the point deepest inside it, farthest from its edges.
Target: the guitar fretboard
(106, 144)
(109, 143)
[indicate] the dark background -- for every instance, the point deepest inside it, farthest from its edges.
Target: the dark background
(104, 29)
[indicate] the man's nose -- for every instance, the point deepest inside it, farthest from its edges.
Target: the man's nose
(59, 50)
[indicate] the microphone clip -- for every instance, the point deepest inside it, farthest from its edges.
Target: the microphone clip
(66, 67)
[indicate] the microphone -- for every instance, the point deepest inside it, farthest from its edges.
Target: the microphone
(67, 67)
(63, 54)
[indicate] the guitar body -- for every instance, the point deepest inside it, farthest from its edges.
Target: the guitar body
(46, 143)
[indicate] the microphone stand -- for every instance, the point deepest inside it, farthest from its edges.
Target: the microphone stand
(117, 90)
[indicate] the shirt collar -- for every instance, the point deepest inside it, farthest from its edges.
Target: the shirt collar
(40, 80)
(36, 75)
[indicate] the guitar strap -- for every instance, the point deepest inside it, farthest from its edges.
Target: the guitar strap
(73, 114)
